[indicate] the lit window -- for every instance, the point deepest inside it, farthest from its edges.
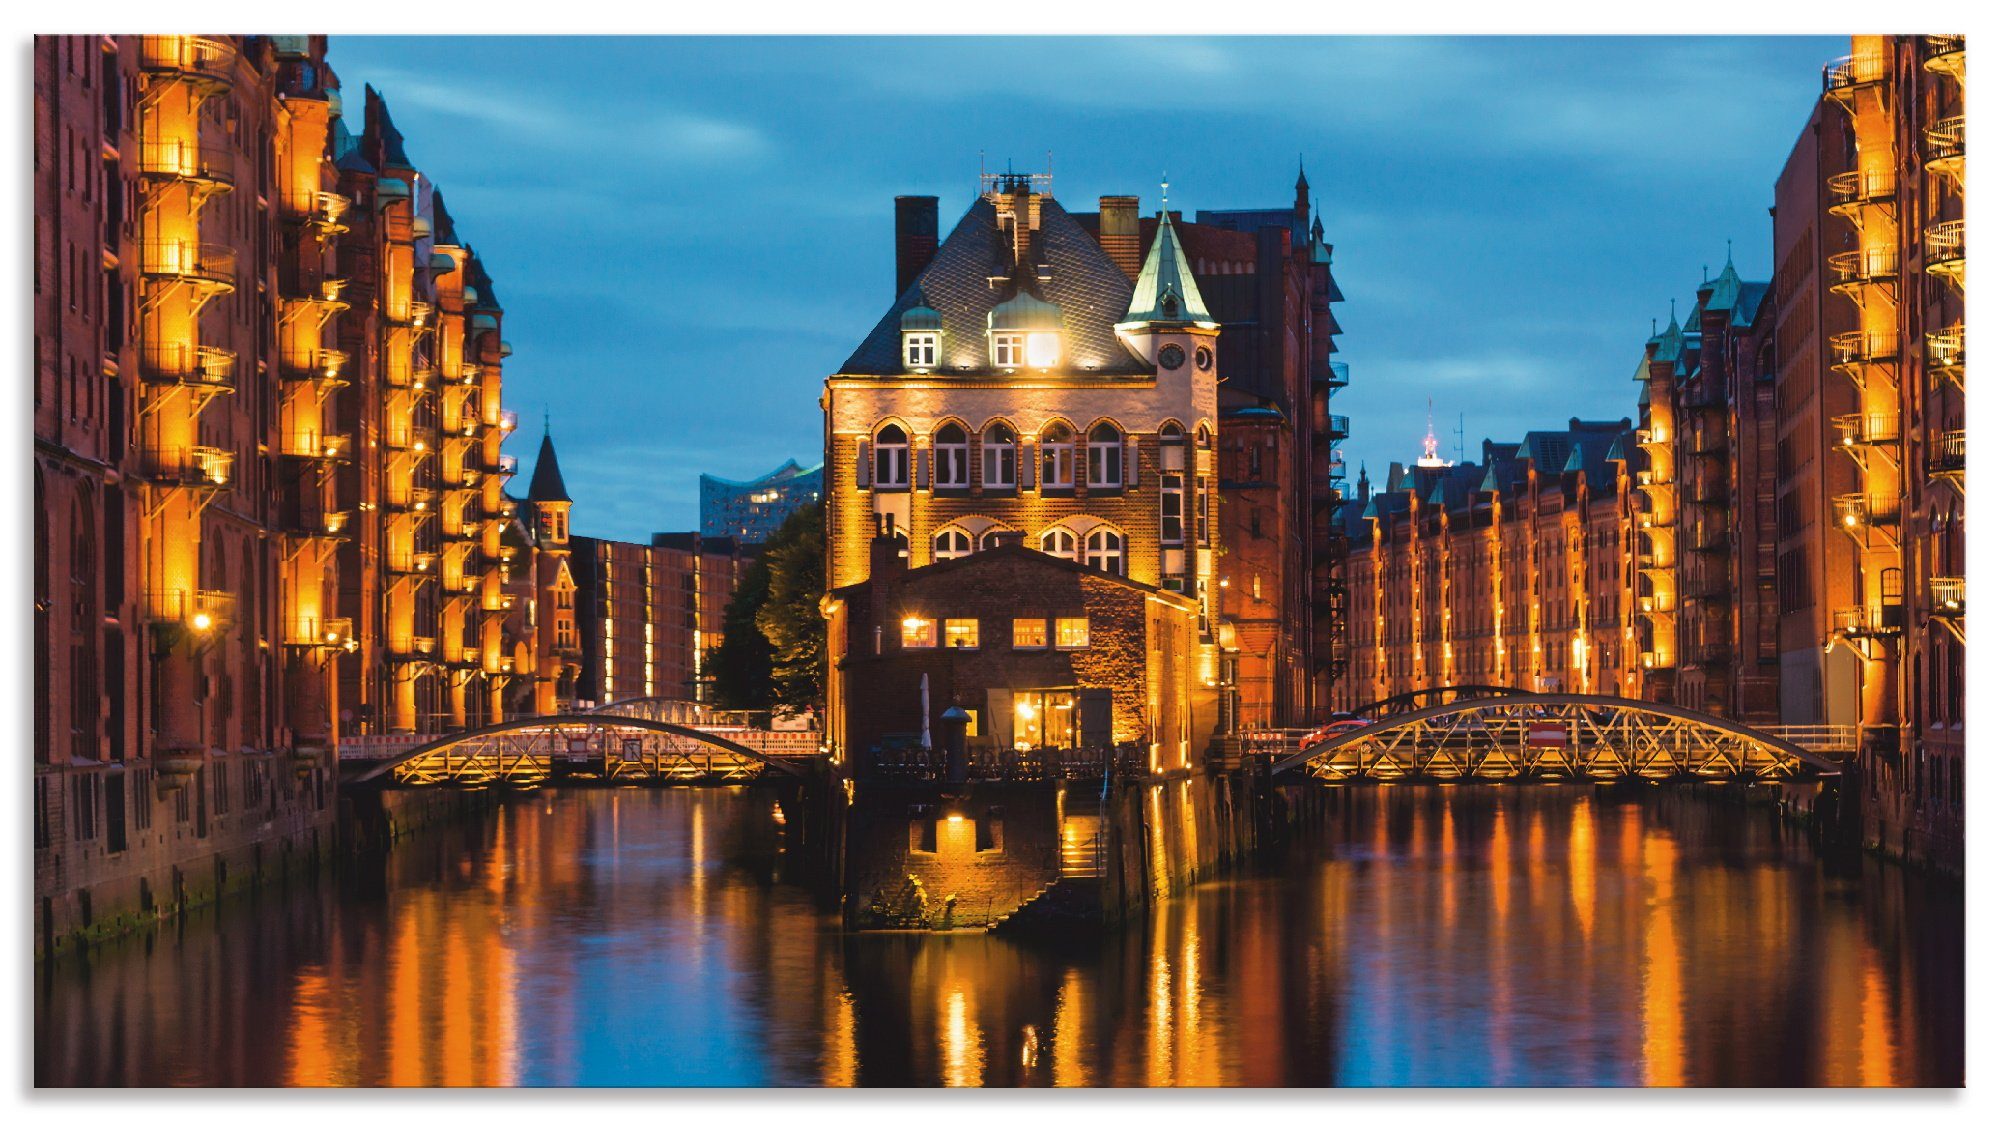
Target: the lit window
(1173, 493)
(950, 544)
(1105, 549)
(1031, 634)
(919, 633)
(1060, 543)
(1009, 348)
(953, 457)
(1044, 348)
(996, 450)
(1058, 456)
(920, 349)
(892, 458)
(961, 633)
(1072, 632)
(1107, 456)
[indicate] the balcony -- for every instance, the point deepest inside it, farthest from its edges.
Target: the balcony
(317, 365)
(315, 521)
(1844, 77)
(1855, 351)
(1947, 457)
(509, 420)
(202, 611)
(1853, 190)
(1945, 54)
(1944, 355)
(506, 465)
(1944, 250)
(193, 58)
(1948, 597)
(316, 633)
(412, 648)
(1868, 620)
(308, 445)
(212, 266)
(1337, 470)
(196, 466)
(412, 563)
(211, 369)
(210, 167)
(1336, 425)
(1857, 510)
(1857, 268)
(1944, 148)
(1860, 430)
(1335, 377)
(411, 499)
(321, 212)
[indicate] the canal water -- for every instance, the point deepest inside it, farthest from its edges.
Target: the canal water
(1457, 936)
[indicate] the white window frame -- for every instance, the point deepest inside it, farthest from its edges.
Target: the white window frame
(1058, 458)
(920, 349)
(1104, 550)
(950, 543)
(1064, 539)
(892, 460)
(1010, 349)
(999, 456)
(1107, 459)
(953, 459)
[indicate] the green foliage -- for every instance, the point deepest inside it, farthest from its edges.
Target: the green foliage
(790, 618)
(773, 649)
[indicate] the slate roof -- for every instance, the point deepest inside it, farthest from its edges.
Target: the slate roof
(546, 485)
(379, 133)
(1091, 291)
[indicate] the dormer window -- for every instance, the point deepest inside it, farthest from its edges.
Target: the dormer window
(1010, 349)
(920, 349)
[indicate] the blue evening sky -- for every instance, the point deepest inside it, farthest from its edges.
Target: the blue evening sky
(689, 234)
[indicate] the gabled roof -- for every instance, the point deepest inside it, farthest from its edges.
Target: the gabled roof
(1080, 279)
(991, 554)
(379, 133)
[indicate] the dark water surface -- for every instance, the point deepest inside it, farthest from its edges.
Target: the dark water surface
(1433, 937)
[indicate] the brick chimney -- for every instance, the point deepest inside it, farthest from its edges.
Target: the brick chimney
(886, 562)
(1118, 231)
(916, 236)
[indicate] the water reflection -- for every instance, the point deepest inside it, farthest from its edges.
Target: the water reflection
(1460, 936)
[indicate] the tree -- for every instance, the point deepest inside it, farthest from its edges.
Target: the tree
(789, 617)
(773, 638)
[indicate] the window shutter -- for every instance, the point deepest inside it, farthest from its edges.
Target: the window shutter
(920, 467)
(864, 463)
(1028, 465)
(1131, 477)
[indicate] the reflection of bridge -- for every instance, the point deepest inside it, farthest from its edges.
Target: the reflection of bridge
(1544, 736)
(645, 740)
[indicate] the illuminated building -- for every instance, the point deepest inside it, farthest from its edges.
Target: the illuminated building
(1706, 524)
(1023, 383)
(558, 641)
(751, 512)
(1883, 160)
(1513, 570)
(266, 404)
(652, 615)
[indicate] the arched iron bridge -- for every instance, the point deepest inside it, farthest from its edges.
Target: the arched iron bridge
(1549, 736)
(1425, 698)
(613, 747)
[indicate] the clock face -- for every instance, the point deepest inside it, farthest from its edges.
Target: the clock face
(1203, 357)
(1171, 356)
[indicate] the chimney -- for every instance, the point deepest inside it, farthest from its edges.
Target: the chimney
(1118, 231)
(916, 237)
(886, 563)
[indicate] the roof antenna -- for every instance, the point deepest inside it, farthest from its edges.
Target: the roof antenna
(545, 419)
(1704, 274)
(1730, 250)
(1163, 192)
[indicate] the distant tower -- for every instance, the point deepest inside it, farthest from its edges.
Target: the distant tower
(558, 648)
(1430, 458)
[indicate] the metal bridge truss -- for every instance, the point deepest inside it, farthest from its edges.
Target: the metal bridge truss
(1425, 698)
(611, 748)
(1551, 736)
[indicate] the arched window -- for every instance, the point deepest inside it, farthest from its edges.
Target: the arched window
(1105, 549)
(996, 457)
(954, 458)
(990, 539)
(1058, 456)
(1059, 543)
(892, 458)
(951, 543)
(1107, 456)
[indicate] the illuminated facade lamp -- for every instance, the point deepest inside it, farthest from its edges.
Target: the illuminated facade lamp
(202, 621)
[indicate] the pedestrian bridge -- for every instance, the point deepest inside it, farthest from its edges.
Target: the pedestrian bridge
(616, 744)
(1515, 736)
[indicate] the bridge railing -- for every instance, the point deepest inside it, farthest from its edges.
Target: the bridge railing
(913, 763)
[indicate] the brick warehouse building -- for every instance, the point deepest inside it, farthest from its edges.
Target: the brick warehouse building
(268, 504)
(1023, 384)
